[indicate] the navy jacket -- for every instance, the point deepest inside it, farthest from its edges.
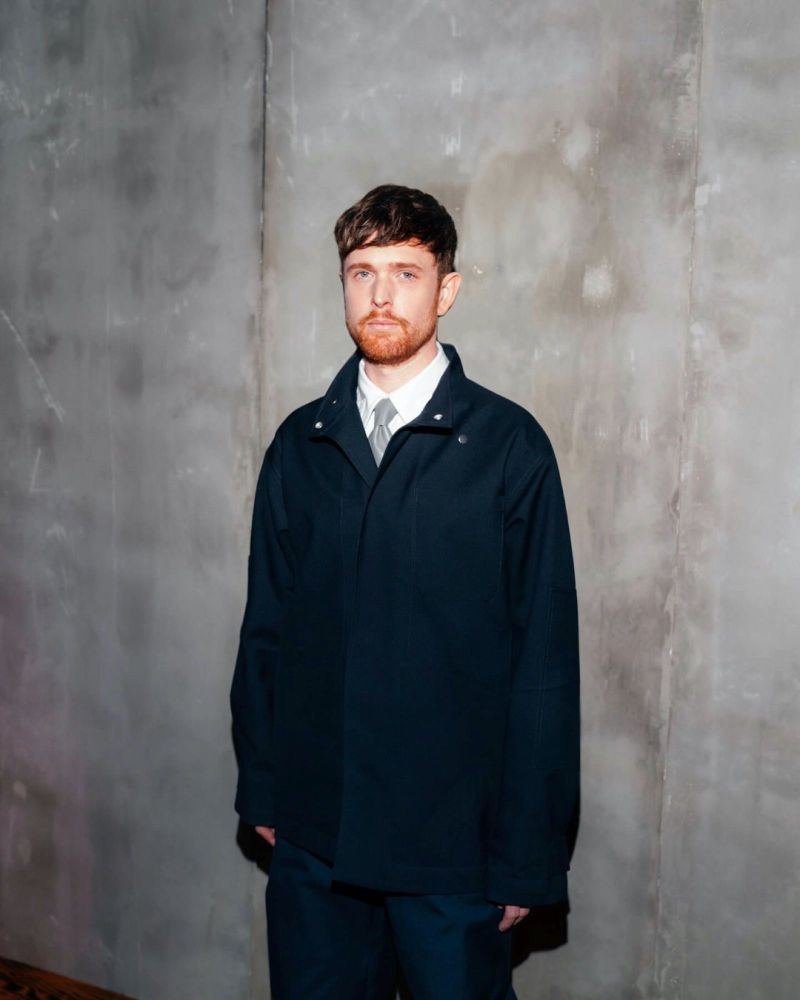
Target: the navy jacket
(406, 693)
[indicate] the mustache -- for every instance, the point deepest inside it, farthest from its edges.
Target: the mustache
(375, 314)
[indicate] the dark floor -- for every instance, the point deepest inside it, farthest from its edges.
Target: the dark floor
(18, 980)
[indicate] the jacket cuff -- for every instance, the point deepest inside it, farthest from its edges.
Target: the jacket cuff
(254, 800)
(543, 890)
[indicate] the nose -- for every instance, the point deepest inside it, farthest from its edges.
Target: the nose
(381, 293)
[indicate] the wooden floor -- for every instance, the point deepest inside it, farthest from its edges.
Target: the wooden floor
(18, 980)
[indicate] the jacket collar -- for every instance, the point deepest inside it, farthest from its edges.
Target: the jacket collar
(337, 416)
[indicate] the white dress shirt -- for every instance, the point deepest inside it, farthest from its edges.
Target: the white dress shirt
(409, 400)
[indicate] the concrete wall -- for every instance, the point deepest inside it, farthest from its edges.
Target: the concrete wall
(130, 200)
(624, 177)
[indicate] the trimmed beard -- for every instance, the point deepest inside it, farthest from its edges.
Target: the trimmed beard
(390, 347)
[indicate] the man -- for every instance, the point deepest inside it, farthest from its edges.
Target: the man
(405, 699)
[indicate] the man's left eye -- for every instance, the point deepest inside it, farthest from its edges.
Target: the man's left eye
(407, 274)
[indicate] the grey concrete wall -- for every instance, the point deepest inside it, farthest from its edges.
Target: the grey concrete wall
(625, 179)
(729, 910)
(130, 199)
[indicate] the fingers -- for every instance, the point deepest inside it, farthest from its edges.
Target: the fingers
(268, 833)
(513, 915)
(506, 923)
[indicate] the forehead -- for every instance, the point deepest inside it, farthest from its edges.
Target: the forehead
(406, 253)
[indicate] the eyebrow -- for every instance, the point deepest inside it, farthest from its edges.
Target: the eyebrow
(400, 264)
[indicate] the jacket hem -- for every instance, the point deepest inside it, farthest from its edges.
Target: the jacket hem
(307, 837)
(394, 878)
(544, 890)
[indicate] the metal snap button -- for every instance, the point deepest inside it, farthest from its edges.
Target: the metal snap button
(318, 424)
(462, 439)
(438, 416)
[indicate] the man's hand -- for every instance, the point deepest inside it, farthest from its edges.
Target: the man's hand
(268, 833)
(512, 915)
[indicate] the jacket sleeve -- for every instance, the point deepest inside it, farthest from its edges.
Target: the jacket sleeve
(269, 581)
(529, 849)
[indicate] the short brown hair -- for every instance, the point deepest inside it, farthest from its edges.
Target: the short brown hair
(391, 214)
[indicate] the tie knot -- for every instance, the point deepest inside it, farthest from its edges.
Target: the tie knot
(385, 412)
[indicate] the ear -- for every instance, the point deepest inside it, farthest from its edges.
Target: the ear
(448, 289)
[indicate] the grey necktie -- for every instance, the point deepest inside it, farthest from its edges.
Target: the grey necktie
(385, 412)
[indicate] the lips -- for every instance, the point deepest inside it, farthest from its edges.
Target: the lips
(378, 322)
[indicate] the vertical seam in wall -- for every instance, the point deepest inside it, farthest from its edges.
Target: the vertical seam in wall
(261, 333)
(669, 670)
(256, 943)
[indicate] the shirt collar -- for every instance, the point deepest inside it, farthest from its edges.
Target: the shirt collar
(410, 399)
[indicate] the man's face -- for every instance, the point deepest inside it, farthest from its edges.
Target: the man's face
(393, 298)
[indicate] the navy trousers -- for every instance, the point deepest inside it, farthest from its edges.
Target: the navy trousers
(331, 941)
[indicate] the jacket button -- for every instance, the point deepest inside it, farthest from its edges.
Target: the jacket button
(437, 416)
(335, 401)
(462, 439)
(318, 424)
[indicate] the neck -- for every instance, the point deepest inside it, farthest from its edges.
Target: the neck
(391, 377)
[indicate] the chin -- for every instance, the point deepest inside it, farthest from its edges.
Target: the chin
(383, 354)
(388, 349)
